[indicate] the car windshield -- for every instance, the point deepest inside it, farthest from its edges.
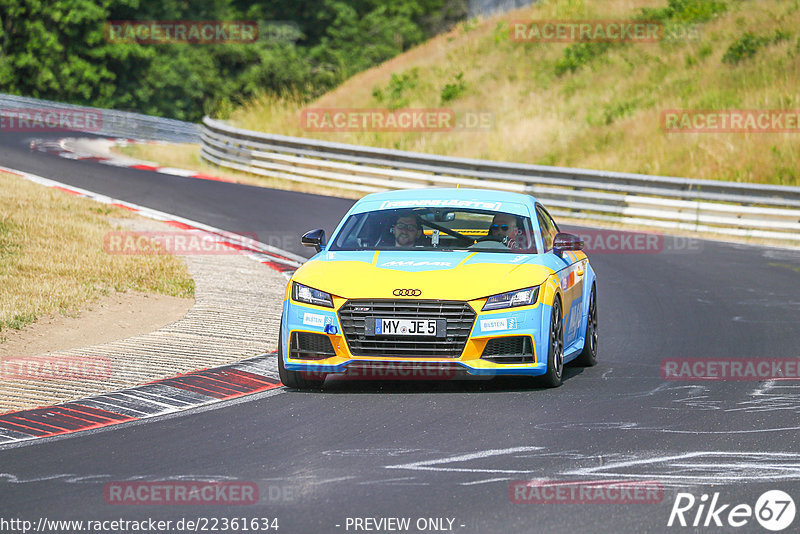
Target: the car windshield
(436, 229)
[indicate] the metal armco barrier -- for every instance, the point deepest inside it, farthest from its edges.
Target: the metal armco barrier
(113, 123)
(727, 208)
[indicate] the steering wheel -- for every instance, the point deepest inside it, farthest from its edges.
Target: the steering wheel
(497, 238)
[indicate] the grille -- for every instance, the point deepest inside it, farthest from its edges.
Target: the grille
(459, 316)
(513, 349)
(308, 346)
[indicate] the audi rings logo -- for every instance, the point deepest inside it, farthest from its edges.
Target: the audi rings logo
(407, 292)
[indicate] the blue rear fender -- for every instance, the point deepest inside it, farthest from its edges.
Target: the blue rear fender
(577, 346)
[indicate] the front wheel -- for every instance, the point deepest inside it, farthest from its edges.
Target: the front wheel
(555, 353)
(588, 357)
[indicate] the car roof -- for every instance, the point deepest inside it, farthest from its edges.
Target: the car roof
(446, 193)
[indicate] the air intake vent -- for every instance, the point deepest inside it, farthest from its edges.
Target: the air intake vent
(308, 346)
(512, 349)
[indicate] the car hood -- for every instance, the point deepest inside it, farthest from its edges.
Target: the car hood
(456, 275)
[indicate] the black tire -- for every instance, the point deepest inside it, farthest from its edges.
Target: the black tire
(295, 379)
(555, 348)
(588, 357)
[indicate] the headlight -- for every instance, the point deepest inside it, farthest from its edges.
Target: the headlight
(309, 295)
(512, 299)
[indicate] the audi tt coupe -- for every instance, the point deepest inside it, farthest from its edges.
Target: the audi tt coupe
(477, 281)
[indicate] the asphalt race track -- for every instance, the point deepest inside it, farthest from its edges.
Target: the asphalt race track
(450, 450)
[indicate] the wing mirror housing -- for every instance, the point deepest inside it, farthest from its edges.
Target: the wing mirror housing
(564, 241)
(314, 238)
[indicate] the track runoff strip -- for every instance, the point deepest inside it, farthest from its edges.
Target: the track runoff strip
(161, 397)
(58, 148)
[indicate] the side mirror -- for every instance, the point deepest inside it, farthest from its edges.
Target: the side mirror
(564, 242)
(314, 238)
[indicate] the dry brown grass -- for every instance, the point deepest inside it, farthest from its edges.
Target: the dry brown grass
(52, 257)
(605, 115)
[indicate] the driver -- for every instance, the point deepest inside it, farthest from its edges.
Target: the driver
(406, 231)
(504, 226)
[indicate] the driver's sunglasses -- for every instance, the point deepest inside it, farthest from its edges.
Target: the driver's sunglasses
(503, 227)
(404, 226)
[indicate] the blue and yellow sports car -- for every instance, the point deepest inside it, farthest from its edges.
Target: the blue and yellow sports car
(482, 282)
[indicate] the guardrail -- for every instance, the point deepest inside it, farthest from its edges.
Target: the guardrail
(727, 208)
(112, 123)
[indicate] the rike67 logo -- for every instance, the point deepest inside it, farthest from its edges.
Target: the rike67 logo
(774, 510)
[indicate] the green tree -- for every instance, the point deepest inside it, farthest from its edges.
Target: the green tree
(57, 50)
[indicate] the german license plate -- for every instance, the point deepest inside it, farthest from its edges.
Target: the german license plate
(408, 327)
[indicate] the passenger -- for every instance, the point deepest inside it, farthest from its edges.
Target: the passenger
(506, 227)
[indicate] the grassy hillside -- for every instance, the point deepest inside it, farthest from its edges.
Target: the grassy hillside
(590, 105)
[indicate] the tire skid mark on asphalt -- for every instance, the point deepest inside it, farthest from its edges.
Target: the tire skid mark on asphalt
(773, 395)
(768, 396)
(487, 481)
(677, 470)
(436, 464)
(703, 467)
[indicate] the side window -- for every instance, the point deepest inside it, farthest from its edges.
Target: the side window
(548, 227)
(548, 218)
(540, 230)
